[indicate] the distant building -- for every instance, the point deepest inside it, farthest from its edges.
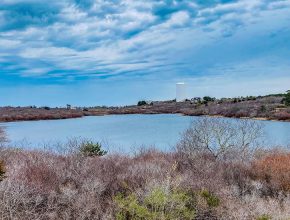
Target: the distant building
(69, 107)
(181, 93)
(195, 100)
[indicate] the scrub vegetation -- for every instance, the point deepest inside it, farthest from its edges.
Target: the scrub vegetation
(286, 100)
(218, 170)
(270, 107)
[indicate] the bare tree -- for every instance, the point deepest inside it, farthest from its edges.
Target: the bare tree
(221, 138)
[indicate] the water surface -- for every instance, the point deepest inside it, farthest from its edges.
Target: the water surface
(122, 132)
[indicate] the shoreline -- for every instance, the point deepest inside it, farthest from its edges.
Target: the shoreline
(159, 113)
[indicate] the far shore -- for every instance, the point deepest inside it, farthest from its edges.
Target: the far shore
(270, 107)
(262, 108)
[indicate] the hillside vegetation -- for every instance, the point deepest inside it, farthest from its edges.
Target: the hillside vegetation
(271, 107)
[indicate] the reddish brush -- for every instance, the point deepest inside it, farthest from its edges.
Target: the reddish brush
(274, 169)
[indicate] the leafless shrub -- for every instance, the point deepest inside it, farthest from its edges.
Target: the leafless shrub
(273, 172)
(3, 137)
(253, 206)
(282, 115)
(220, 138)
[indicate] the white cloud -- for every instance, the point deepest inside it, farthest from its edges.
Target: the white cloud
(32, 72)
(279, 4)
(177, 19)
(8, 44)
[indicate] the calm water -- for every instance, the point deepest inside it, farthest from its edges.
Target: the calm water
(122, 132)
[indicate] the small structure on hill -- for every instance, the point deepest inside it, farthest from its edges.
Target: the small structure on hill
(195, 100)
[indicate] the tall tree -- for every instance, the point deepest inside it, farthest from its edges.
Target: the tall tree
(287, 98)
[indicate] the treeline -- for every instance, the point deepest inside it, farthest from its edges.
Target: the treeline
(270, 107)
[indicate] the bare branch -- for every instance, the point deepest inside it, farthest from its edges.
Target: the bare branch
(220, 137)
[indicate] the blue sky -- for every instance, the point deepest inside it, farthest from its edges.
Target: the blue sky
(116, 52)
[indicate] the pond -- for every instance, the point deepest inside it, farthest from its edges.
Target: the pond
(122, 132)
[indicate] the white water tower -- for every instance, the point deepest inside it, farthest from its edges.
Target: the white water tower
(181, 93)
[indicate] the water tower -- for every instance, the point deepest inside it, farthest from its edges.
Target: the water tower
(181, 92)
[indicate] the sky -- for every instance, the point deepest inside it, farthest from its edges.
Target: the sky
(116, 52)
